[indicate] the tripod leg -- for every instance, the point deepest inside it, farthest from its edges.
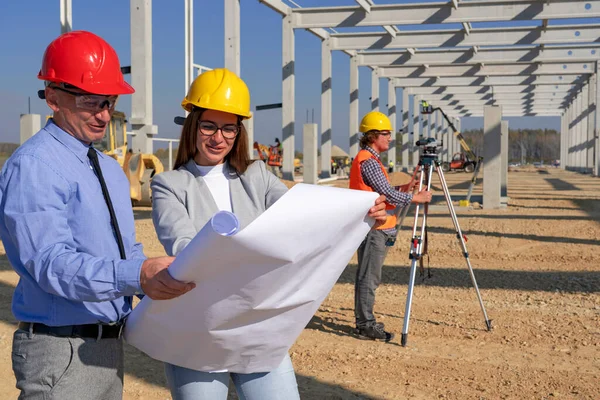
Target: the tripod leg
(461, 239)
(416, 249)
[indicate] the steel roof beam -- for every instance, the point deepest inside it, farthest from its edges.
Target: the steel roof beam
(491, 89)
(557, 34)
(516, 69)
(443, 13)
(491, 81)
(576, 53)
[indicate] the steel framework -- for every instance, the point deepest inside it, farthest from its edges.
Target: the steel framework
(542, 68)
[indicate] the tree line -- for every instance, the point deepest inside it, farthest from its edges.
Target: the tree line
(524, 145)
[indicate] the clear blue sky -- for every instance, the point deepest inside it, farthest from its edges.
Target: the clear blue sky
(26, 28)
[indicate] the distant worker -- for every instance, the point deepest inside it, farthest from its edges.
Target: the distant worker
(391, 167)
(368, 173)
(67, 226)
(279, 146)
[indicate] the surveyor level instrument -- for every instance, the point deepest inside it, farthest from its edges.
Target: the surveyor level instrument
(428, 162)
(427, 108)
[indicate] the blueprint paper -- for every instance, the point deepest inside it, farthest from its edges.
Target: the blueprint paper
(256, 288)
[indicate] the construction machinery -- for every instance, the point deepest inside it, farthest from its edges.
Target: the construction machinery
(474, 162)
(460, 162)
(272, 157)
(139, 168)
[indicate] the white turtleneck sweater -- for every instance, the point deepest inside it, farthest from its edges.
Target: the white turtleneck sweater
(217, 183)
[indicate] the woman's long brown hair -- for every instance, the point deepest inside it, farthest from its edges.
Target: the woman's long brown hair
(238, 157)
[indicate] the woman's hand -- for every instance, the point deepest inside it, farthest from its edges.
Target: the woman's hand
(378, 212)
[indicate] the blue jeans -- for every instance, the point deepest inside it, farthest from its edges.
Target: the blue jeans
(188, 384)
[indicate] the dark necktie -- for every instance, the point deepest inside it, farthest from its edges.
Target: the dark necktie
(93, 156)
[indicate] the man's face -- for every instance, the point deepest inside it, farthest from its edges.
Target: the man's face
(382, 141)
(81, 114)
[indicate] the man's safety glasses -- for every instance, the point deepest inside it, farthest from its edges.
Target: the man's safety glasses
(91, 102)
(209, 128)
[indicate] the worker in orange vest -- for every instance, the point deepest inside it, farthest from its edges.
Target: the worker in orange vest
(368, 173)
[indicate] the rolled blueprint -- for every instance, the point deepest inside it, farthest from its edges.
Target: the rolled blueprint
(256, 288)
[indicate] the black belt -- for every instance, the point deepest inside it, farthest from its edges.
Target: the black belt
(95, 331)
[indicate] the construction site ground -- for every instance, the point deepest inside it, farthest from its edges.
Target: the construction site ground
(537, 263)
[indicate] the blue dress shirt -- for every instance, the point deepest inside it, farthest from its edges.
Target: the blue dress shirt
(58, 236)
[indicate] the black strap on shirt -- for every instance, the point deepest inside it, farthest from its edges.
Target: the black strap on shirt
(93, 156)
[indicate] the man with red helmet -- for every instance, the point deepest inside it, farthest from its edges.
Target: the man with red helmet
(68, 229)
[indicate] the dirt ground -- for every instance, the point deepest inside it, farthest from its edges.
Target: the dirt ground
(537, 263)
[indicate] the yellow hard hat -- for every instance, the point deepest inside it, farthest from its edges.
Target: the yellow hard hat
(219, 89)
(375, 121)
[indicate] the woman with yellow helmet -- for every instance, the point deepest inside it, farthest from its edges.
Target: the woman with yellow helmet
(213, 172)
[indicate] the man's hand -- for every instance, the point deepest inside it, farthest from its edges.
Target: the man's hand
(157, 283)
(378, 212)
(424, 196)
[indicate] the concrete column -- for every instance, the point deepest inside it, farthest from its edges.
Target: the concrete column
(29, 125)
(571, 137)
(232, 36)
(309, 139)
(416, 132)
(375, 89)
(445, 139)
(189, 43)
(492, 166)
(392, 116)
(288, 98)
(575, 140)
(504, 161)
(249, 125)
(584, 127)
(353, 127)
(591, 114)
(596, 167)
(66, 16)
(232, 55)
(141, 77)
(326, 93)
(405, 129)
(563, 137)
(457, 148)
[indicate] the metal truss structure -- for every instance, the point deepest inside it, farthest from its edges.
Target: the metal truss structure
(541, 67)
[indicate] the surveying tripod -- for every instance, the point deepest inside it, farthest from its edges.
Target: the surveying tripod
(428, 162)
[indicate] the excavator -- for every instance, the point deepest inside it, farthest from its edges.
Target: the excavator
(139, 168)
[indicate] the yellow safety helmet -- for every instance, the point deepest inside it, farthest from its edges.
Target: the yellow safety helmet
(375, 121)
(219, 89)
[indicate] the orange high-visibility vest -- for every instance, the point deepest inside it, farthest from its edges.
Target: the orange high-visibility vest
(357, 182)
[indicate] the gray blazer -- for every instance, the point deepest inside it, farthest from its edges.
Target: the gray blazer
(182, 203)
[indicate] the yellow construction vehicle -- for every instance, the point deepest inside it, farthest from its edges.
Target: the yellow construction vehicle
(138, 167)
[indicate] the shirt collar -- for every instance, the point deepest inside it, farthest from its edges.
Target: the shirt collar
(76, 146)
(370, 150)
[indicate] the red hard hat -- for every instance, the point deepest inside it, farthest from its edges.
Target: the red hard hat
(84, 60)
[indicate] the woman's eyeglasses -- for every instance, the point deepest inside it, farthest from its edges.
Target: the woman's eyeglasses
(209, 128)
